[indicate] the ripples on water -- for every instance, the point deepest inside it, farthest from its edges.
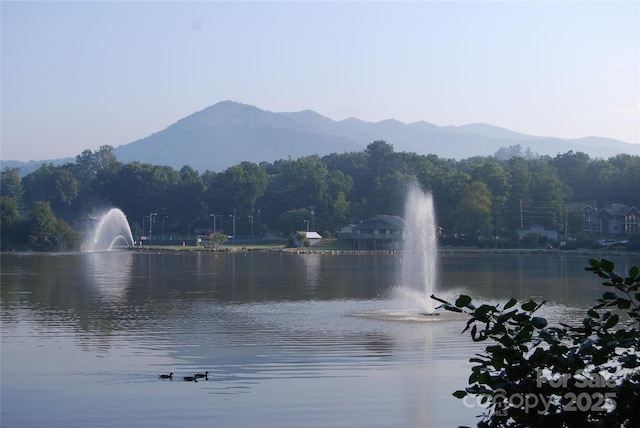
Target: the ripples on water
(287, 340)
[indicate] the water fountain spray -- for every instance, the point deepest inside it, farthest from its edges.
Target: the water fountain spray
(418, 275)
(111, 232)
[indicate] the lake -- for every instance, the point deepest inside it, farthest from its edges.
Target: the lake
(288, 340)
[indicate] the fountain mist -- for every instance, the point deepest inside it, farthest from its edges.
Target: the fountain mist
(418, 275)
(111, 232)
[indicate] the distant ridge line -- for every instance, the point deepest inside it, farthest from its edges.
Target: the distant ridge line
(228, 133)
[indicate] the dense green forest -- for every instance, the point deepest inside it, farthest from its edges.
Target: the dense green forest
(478, 196)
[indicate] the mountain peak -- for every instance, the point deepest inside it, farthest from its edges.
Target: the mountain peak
(228, 113)
(228, 133)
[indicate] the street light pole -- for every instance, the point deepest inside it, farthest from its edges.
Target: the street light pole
(251, 217)
(313, 222)
(151, 225)
(214, 223)
(233, 217)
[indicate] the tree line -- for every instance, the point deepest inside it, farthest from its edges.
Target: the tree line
(474, 197)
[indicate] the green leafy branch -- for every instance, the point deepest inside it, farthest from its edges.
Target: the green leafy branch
(531, 373)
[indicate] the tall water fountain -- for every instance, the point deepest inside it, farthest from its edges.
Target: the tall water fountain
(112, 232)
(417, 277)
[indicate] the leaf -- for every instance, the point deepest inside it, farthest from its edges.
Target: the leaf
(617, 279)
(623, 303)
(460, 394)
(607, 265)
(505, 317)
(524, 335)
(510, 303)
(463, 301)
(613, 320)
(626, 343)
(483, 310)
(593, 314)
(547, 336)
(538, 355)
(529, 306)
(538, 322)
(585, 345)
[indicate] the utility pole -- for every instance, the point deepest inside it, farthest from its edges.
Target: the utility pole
(234, 225)
(151, 225)
(521, 224)
(566, 222)
(313, 223)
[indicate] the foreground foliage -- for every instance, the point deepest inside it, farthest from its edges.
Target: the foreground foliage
(534, 374)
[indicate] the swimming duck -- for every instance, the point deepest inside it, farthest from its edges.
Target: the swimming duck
(204, 375)
(166, 376)
(190, 378)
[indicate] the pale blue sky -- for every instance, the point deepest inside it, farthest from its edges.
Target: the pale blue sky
(77, 75)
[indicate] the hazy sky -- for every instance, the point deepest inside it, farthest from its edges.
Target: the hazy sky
(78, 75)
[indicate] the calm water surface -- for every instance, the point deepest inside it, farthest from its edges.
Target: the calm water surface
(85, 336)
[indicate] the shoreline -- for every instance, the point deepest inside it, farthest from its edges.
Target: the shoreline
(591, 253)
(448, 251)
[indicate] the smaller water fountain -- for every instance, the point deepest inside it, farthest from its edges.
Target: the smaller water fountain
(111, 232)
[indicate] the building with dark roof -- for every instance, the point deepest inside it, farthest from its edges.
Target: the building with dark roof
(618, 219)
(380, 232)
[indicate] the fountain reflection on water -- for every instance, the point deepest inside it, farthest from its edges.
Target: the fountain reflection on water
(111, 232)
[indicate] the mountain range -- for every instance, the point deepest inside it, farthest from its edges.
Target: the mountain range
(228, 133)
